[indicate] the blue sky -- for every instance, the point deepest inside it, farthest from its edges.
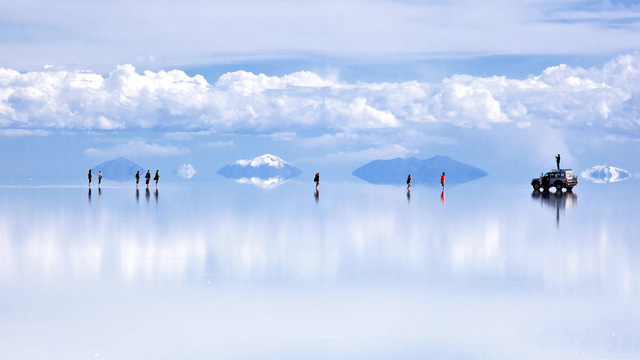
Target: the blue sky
(326, 85)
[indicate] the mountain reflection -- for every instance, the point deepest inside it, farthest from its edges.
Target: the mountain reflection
(269, 183)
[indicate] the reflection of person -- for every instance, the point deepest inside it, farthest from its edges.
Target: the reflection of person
(99, 178)
(409, 182)
(558, 161)
(316, 180)
(316, 195)
(89, 176)
(147, 195)
(156, 178)
(137, 177)
(408, 195)
(89, 195)
(147, 177)
(442, 180)
(137, 196)
(442, 197)
(155, 194)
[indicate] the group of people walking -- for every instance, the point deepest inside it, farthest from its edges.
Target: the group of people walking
(147, 178)
(409, 181)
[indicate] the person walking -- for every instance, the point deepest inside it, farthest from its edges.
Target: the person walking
(137, 178)
(558, 161)
(147, 177)
(157, 177)
(316, 180)
(99, 178)
(442, 180)
(89, 176)
(409, 182)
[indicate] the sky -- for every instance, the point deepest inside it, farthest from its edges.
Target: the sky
(325, 85)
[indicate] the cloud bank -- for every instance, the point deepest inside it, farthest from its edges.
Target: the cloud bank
(606, 99)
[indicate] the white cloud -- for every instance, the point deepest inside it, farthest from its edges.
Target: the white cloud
(606, 99)
(101, 33)
(23, 132)
(186, 171)
(186, 135)
(219, 144)
(138, 148)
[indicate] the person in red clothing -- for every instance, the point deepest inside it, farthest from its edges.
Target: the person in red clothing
(442, 180)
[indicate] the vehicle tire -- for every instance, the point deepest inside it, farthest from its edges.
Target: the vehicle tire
(558, 188)
(536, 186)
(570, 188)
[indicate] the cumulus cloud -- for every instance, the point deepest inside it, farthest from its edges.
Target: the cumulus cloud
(606, 99)
(23, 132)
(186, 171)
(138, 148)
(219, 144)
(602, 174)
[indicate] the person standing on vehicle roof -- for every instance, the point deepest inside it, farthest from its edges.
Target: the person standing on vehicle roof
(558, 161)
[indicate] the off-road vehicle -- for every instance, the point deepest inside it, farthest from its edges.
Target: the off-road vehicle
(563, 178)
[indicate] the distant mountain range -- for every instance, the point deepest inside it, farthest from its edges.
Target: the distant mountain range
(119, 169)
(263, 167)
(424, 172)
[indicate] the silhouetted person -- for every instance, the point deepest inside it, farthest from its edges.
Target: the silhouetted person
(147, 177)
(558, 161)
(442, 180)
(99, 178)
(157, 177)
(316, 180)
(89, 176)
(409, 182)
(137, 178)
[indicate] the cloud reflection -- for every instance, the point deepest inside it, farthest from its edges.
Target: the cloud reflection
(354, 242)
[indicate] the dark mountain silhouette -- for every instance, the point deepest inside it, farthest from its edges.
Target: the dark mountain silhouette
(119, 169)
(264, 167)
(424, 172)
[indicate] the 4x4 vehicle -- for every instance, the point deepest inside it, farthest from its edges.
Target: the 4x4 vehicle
(563, 178)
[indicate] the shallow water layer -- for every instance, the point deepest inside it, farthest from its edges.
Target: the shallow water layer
(233, 271)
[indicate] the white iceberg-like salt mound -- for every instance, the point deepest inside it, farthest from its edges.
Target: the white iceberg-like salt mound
(603, 174)
(186, 171)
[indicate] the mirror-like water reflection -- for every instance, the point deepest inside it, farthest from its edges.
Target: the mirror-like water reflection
(369, 271)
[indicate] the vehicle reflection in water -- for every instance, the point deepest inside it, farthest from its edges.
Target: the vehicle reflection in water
(560, 201)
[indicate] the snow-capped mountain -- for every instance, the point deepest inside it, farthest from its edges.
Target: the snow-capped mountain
(602, 174)
(264, 167)
(427, 172)
(264, 160)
